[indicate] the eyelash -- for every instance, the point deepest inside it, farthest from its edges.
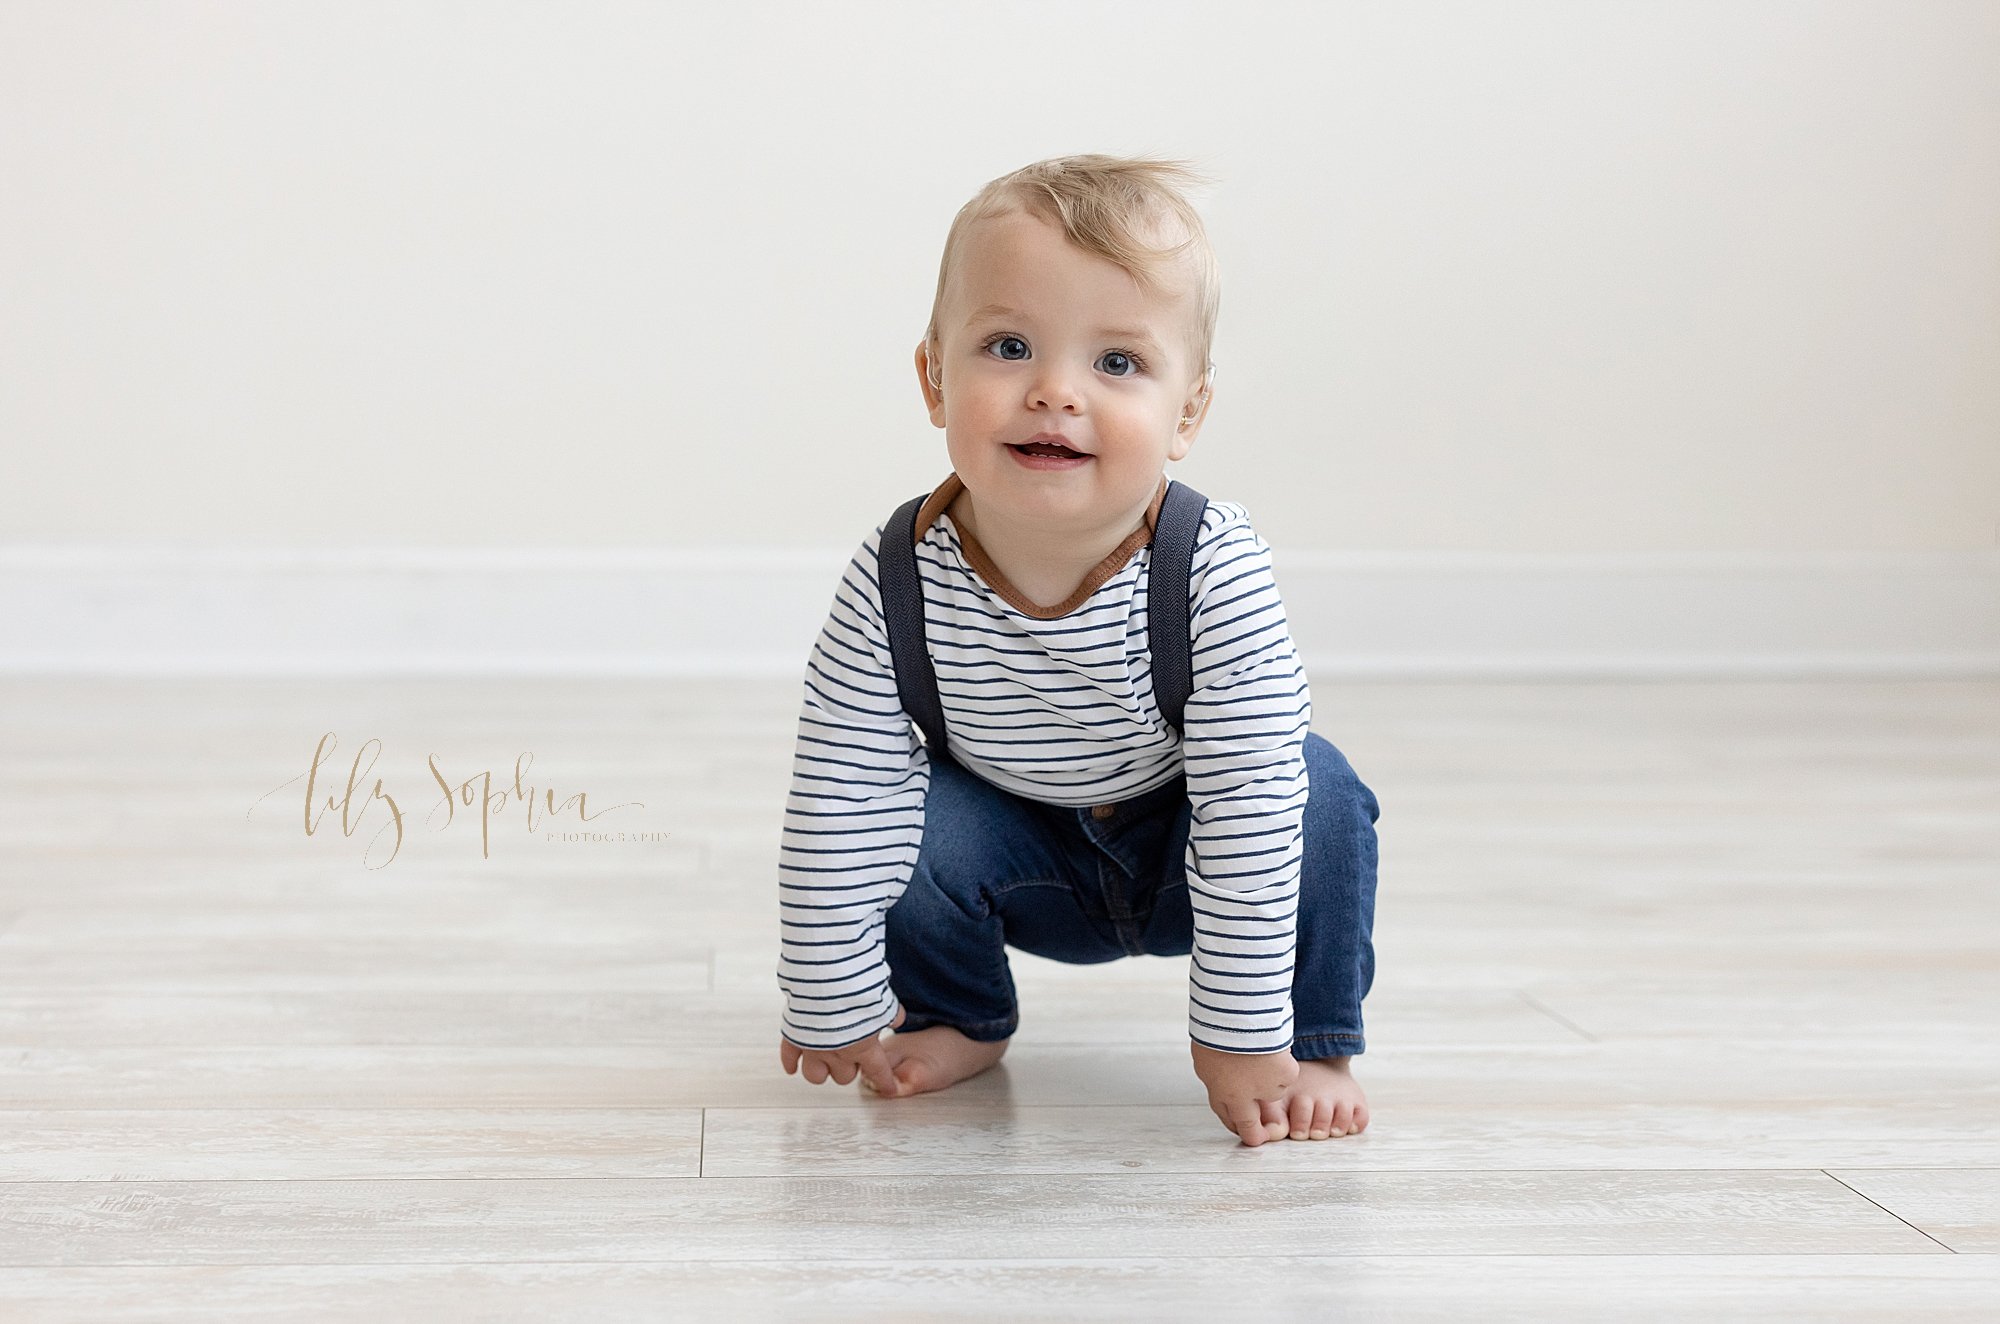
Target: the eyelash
(1138, 360)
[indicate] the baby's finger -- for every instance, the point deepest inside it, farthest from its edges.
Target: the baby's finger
(875, 1074)
(1245, 1121)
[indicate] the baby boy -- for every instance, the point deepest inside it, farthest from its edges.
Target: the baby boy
(1067, 360)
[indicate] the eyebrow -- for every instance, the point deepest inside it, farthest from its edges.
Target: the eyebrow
(1123, 333)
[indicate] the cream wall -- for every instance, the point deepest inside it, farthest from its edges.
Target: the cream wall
(1581, 277)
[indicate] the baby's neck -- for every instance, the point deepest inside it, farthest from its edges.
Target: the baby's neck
(1048, 570)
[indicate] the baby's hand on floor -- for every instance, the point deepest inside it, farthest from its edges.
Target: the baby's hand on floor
(1240, 1084)
(864, 1057)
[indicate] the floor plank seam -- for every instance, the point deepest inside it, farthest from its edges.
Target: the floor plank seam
(793, 1263)
(1557, 1017)
(1951, 1250)
(1285, 1175)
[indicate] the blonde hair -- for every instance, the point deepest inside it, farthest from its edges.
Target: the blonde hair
(1102, 204)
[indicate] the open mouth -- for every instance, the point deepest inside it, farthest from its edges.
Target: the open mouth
(1049, 448)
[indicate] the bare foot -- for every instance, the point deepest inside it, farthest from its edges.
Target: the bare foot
(1324, 1101)
(926, 1060)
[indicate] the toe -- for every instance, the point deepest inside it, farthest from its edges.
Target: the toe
(1301, 1116)
(1322, 1119)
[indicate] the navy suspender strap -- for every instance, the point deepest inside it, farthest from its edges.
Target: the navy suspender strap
(903, 615)
(1174, 532)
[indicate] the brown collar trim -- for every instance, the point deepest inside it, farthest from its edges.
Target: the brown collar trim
(947, 491)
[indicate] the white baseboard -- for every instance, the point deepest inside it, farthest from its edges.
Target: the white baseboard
(755, 612)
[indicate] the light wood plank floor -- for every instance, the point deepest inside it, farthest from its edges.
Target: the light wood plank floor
(1685, 1008)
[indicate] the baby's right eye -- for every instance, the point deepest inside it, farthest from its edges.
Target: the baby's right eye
(1008, 340)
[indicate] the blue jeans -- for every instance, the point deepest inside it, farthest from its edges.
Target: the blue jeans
(1093, 884)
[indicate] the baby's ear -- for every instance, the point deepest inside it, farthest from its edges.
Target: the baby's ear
(933, 395)
(1196, 412)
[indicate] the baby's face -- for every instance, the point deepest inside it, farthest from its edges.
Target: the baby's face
(1037, 336)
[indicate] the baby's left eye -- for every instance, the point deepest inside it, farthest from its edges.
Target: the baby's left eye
(1118, 356)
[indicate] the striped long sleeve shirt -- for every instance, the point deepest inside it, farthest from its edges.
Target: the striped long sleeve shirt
(1054, 704)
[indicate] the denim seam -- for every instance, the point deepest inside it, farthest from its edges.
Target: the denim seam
(1004, 888)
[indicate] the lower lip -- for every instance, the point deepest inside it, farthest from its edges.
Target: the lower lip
(1049, 461)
